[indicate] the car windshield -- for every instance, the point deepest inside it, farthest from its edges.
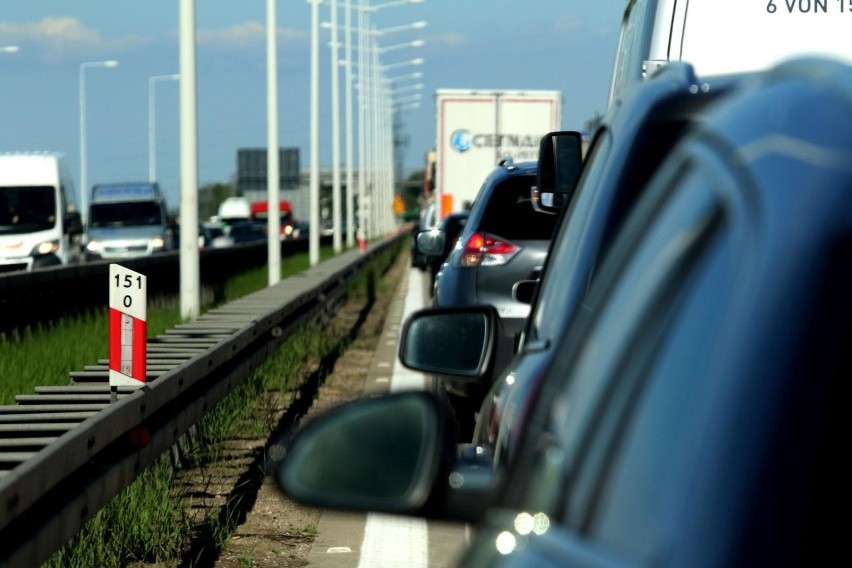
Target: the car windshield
(27, 209)
(509, 212)
(125, 214)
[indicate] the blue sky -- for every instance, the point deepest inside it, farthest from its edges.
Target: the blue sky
(567, 45)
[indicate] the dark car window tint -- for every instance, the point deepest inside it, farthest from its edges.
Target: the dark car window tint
(553, 295)
(509, 212)
(627, 523)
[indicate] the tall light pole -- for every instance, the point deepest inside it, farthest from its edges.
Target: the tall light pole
(335, 134)
(152, 122)
(190, 279)
(273, 167)
(314, 231)
(84, 182)
(350, 152)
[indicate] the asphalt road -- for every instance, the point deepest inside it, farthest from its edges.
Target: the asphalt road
(375, 540)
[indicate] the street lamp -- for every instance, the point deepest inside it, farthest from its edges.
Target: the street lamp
(416, 61)
(152, 123)
(83, 179)
(313, 234)
(390, 5)
(415, 43)
(416, 87)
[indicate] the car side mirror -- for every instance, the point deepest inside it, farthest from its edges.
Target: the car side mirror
(560, 160)
(431, 243)
(452, 341)
(392, 454)
(73, 223)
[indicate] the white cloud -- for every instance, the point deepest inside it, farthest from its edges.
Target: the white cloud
(249, 33)
(449, 39)
(64, 33)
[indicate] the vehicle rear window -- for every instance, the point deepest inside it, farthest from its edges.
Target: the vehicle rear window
(509, 212)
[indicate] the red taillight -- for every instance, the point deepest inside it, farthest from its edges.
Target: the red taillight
(482, 249)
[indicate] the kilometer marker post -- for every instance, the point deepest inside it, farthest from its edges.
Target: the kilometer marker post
(128, 316)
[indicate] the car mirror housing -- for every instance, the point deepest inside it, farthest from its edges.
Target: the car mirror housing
(560, 160)
(456, 341)
(431, 243)
(350, 459)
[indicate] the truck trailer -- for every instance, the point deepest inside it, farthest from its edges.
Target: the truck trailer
(476, 129)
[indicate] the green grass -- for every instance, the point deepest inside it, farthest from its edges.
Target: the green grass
(45, 355)
(142, 524)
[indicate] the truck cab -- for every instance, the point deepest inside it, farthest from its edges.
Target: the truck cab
(39, 222)
(127, 220)
(260, 215)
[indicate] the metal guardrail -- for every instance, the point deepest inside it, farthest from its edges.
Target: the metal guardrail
(43, 295)
(67, 451)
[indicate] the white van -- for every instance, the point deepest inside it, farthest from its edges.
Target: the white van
(39, 222)
(722, 37)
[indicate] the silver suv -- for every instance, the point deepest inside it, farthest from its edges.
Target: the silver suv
(504, 244)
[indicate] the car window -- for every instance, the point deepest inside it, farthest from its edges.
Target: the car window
(563, 257)
(635, 296)
(625, 349)
(509, 212)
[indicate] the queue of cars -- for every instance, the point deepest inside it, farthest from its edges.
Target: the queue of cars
(673, 398)
(687, 408)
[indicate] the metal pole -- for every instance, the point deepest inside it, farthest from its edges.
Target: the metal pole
(152, 123)
(335, 134)
(84, 181)
(314, 232)
(350, 197)
(190, 304)
(84, 213)
(362, 138)
(273, 176)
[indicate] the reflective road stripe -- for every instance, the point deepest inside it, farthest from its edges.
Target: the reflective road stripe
(391, 540)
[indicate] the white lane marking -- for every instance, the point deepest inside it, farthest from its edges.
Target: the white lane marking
(392, 540)
(406, 379)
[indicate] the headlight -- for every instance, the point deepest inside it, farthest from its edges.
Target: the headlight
(94, 246)
(47, 247)
(288, 230)
(158, 242)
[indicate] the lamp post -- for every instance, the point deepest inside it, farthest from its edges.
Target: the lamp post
(335, 134)
(273, 154)
(83, 179)
(313, 234)
(152, 122)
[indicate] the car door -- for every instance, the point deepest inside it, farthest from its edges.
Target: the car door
(683, 228)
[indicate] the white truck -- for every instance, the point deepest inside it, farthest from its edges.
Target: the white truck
(724, 37)
(39, 222)
(478, 128)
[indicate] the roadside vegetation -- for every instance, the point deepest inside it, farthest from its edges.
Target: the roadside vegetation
(156, 520)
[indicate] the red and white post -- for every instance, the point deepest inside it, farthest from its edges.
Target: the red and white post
(128, 316)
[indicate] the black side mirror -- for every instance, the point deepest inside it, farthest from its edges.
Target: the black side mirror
(73, 223)
(560, 160)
